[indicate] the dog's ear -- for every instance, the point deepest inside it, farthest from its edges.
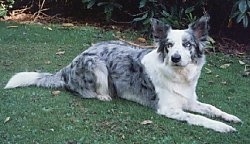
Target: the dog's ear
(200, 28)
(160, 29)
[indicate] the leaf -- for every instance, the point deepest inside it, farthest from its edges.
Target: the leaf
(241, 62)
(52, 129)
(245, 21)
(90, 4)
(189, 9)
(208, 70)
(240, 53)
(7, 119)
(224, 82)
(224, 66)
(210, 82)
(211, 40)
(102, 3)
(60, 53)
(240, 17)
(141, 18)
(165, 14)
(123, 136)
(248, 3)
(67, 24)
(13, 26)
(142, 40)
(146, 122)
(55, 93)
(242, 6)
(49, 28)
(47, 62)
(142, 3)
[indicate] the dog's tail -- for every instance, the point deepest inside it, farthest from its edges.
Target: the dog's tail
(48, 80)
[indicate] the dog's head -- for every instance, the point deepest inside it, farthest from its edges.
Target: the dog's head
(181, 47)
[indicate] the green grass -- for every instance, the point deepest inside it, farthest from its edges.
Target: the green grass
(36, 116)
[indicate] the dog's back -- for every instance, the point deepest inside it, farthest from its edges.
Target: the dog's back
(117, 62)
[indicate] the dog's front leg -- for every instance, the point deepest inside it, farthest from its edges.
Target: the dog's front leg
(195, 119)
(170, 105)
(210, 110)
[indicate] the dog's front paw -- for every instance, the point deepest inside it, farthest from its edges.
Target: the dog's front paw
(104, 97)
(232, 118)
(224, 128)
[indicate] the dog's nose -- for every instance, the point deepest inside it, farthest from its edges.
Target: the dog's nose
(176, 58)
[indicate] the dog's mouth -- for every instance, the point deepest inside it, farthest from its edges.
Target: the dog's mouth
(178, 65)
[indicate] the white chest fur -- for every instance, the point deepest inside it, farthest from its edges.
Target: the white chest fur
(175, 86)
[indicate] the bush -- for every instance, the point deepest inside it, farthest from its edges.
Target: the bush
(178, 13)
(241, 12)
(5, 5)
(108, 6)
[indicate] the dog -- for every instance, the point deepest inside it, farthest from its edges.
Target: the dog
(163, 78)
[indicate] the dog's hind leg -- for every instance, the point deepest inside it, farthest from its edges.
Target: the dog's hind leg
(101, 74)
(212, 111)
(88, 76)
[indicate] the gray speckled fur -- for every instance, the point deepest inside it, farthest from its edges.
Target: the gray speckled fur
(121, 63)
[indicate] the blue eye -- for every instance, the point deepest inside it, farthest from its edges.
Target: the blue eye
(187, 44)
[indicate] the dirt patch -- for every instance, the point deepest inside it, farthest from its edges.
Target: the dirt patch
(230, 46)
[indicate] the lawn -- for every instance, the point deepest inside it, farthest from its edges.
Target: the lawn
(35, 115)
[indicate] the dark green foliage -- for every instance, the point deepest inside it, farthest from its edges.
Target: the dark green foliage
(108, 6)
(176, 13)
(4, 6)
(241, 11)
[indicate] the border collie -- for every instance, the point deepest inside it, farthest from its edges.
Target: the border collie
(164, 78)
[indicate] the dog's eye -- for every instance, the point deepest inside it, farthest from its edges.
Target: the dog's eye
(168, 45)
(187, 44)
